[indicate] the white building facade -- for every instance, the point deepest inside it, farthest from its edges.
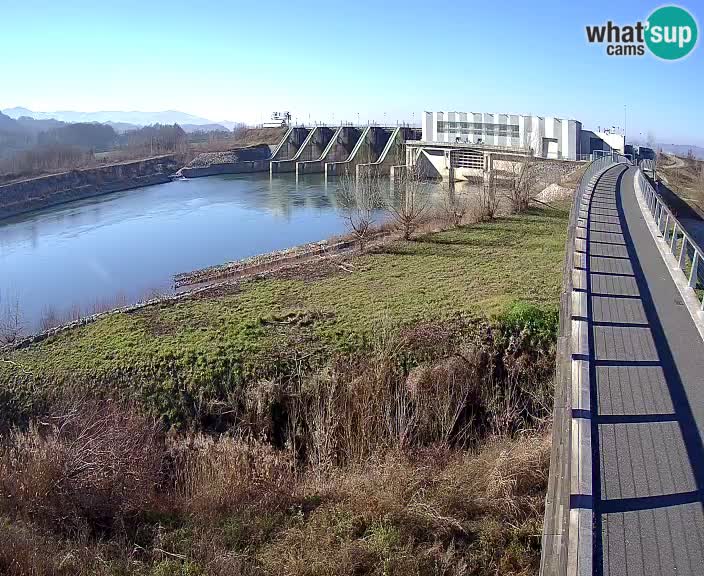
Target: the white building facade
(547, 137)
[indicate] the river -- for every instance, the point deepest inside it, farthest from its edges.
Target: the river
(115, 249)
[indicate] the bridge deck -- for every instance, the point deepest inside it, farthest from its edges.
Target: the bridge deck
(646, 377)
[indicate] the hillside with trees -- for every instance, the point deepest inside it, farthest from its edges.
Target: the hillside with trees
(30, 148)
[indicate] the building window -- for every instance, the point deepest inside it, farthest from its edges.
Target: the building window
(478, 128)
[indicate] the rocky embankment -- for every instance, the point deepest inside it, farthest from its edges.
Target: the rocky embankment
(54, 189)
(262, 262)
(235, 161)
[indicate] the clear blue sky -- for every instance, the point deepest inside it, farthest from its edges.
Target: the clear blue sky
(330, 60)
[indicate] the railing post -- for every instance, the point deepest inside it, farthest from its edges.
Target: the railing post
(695, 265)
(683, 253)
(673, 239)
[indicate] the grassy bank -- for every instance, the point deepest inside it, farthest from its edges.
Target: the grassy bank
(685, 176)
(383, 414)
(165, 354)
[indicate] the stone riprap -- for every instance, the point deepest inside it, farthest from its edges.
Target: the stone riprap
(234, 161)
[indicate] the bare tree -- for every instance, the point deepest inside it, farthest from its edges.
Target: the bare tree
(453, 206)
(409, 202)
(360, 200)
(521, 185)
(487, 202)
(11, 324)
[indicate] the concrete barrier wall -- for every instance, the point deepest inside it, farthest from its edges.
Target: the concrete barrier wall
(227, 168)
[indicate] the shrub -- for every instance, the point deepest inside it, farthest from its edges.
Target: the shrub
(537, 326)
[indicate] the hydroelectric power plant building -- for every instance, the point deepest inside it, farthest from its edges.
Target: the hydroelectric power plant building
(547, 137)
(449, 145)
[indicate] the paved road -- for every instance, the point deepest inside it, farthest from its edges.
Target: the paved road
(647, 397)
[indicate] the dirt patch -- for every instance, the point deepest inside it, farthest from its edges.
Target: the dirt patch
(155, 324)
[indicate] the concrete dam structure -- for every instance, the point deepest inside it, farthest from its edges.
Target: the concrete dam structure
(371, 143)
(339, 148)
(312, 148)
(393, 154)
(294, 139)
(328, 150)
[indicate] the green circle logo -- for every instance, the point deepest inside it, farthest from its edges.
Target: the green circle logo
(671, 32)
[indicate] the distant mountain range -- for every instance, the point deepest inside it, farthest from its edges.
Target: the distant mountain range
(682, 150)
(122, 121)
(677, 149)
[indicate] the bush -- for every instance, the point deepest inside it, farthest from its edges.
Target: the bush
(538, 326)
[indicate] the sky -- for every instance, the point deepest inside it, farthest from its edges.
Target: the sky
(380, 60)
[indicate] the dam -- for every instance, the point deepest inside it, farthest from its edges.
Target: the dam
(321, 149)
(381, 151)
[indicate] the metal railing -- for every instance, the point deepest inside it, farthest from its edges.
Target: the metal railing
(647, 165)
(556, 525)
(686, 251)
(596, 166)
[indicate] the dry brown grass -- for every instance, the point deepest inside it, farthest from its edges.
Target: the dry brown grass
(437, 511)
(427, 455)
(89, 466)
(241, 139)
(237, 508)
(685, 176)
(212, 476)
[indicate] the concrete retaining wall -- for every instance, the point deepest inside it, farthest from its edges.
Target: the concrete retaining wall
(46, 191)
(226, 168)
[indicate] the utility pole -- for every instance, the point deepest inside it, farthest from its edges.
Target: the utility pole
(624, 125)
